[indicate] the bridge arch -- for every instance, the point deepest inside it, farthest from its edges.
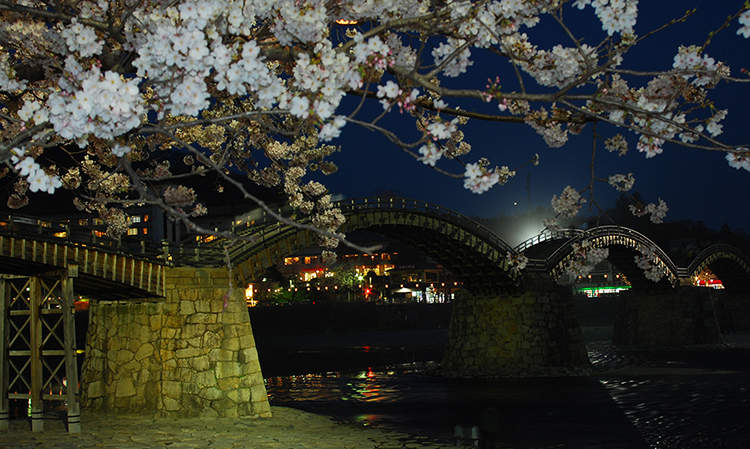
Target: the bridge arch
(473, 253)
(624, 245)
(728, 263)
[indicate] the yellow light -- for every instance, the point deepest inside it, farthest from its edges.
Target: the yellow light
(346, 22)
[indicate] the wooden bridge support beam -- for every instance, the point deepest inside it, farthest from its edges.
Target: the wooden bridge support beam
(530, 334)
(37, 406)
(4, 363)
(71, 365)
(40, 329)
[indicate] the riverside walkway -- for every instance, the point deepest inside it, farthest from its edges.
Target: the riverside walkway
(288, 429)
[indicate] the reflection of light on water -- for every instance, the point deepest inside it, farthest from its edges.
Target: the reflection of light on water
(361, 386)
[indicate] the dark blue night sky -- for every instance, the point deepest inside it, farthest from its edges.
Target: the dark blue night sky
(697, 185)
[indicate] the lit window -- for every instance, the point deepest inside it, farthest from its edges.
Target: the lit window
(132, 231)
(83, 222)
(145, 231)
(135, 218)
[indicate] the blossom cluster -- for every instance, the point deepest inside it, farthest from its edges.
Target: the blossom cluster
(657, 212)
(739, 159)
(8, 81)
(391, 94)
(516, 262)
(744, 20)
(704, 68)
(479, 179)
(453, 56)
(551, 224)
(104, 105)
(645, 262)
(37, 178)
(81, 39)
(322, 80)
(616, 143)
(569, 202)
(585, 258)
(623, 183)
(617, 16)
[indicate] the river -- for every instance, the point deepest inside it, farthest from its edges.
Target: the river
(698, 397)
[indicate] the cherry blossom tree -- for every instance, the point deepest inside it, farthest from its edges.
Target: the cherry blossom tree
(92, 90)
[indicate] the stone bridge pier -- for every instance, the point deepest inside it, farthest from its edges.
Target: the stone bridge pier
(191, 354)
(534, 333)
(676, 317)
(732, 309)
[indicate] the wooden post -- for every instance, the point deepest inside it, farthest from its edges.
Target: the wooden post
(4, 363)
(71, 367)
(35, 325)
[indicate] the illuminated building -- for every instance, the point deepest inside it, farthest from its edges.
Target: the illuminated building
(604, 279)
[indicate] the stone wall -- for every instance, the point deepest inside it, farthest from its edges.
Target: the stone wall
(532, 334)
(732, 309)
(191, 355)
(676, 318)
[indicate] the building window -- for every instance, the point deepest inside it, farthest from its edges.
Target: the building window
(135, 219)
(83, 222)
(291, 260)
(132, 231)
(145, 231)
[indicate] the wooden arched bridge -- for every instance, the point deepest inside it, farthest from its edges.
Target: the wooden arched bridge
(130, 268)
(473, 253)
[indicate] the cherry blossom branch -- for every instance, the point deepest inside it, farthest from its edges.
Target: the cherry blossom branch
(247, 195)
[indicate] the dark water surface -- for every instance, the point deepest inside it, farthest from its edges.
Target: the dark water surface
(690, 398)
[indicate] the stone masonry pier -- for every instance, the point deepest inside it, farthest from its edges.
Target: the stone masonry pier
(190, 355)
(530, 334)
(681, 317)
